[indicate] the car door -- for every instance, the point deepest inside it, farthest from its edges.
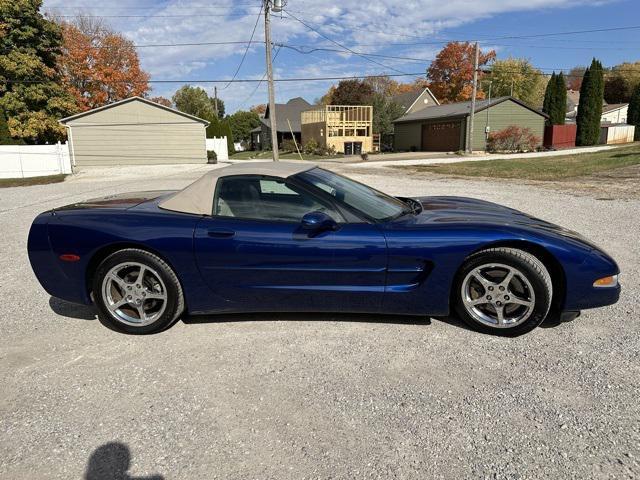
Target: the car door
(255, 256)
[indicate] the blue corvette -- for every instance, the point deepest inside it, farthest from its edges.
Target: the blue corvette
(266, 237)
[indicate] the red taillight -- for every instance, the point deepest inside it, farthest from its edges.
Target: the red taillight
(69, 257)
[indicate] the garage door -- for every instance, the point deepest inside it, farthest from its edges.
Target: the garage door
(441, 137)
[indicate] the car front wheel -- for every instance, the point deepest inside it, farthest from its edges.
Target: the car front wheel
(503, 291)
(137, 292)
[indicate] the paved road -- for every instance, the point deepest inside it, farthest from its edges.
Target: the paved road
(317, 396)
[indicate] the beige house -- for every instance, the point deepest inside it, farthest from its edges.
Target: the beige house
(346, 128)
(135, 131)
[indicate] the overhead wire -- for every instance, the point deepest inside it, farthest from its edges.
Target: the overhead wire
(246, 50)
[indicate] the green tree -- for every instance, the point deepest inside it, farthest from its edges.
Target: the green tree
(352, 92)
(519, 78)
(221, 109)
(194, 101)
(242, 122)
(560, 100)
(633, 117)
(590, 107)
(549, 96)
(227, 132)
(617, 89)
(214, 129)
(31, 92)
(385, 111)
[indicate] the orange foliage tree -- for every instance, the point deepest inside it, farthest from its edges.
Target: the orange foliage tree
(451, 73)
(162, 101)
(99, 66)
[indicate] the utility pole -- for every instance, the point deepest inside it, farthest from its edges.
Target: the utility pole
(215, 101)
(272, 101)
(473, 99)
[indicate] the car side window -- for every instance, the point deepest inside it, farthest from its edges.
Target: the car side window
(265, 198)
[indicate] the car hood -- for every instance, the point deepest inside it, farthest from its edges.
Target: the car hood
(121, 201)
(466, 211)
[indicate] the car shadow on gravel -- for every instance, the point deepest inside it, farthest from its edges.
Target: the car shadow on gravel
(307, 317)
(72, 310)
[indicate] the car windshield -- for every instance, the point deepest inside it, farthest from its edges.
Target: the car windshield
(373, 204)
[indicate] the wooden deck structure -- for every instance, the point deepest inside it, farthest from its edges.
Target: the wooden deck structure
(346, 128)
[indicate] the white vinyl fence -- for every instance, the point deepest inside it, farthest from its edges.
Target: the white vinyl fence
(22, 161)
(611, 134)
(218, 145)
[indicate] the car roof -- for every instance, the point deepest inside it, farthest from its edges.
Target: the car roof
(197, 198)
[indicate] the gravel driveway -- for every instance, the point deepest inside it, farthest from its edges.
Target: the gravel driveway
(317, 396)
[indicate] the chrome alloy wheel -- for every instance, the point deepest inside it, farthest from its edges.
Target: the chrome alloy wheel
(498, 295)
(134, 294)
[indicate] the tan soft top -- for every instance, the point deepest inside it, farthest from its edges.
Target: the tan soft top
(197, 198)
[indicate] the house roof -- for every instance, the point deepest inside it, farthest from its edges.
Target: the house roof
(613, 106)
(197, 198)
(291, 111)
(408, 99)
(132, 99)
(460, 109)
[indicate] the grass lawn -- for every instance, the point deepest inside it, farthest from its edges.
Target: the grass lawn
(266, 154)
(541, 168)
(25, 182)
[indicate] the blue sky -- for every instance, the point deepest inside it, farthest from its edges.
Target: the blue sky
(407, 28)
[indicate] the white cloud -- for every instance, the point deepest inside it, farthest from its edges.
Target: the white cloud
(350, 22)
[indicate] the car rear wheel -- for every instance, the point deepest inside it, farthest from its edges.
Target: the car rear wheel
(503, 291)
(137, 292)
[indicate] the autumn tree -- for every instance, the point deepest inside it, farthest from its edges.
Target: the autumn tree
(259, 109)
(620, 82)
(352, 92)
(574, 77)
(5, 136)
(451, 73)
(32, 96)
(99, 66)
(162, 101)
(590, 107)
(519, 78)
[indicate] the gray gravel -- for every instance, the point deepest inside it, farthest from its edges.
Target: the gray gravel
(318, 396)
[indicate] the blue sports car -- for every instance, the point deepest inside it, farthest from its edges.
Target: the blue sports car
(266, 237)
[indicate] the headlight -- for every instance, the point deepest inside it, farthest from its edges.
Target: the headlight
(610, 281)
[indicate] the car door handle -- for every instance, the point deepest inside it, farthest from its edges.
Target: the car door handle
(220, 233)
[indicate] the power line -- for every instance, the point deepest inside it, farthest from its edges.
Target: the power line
(261, 80)
(340, 45)
(186, 15)
(243, 80)
(246, 50)
(304, 49)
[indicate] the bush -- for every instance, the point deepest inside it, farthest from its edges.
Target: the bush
(310, 147)
(513, 139)
(289, 145)
(212, 157)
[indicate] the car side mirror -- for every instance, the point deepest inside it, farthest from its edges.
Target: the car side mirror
(318, 221)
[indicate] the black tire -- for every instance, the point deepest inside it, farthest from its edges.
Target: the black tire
(173, 307)
(527, 264)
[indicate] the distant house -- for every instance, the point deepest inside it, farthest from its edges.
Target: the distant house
(416, 100)
(614, 113)
(287, 120)
(444, 127)
(135, 131)
(611, 113)
(346, 128)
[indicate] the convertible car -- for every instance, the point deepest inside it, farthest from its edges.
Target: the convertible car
(272, 237)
